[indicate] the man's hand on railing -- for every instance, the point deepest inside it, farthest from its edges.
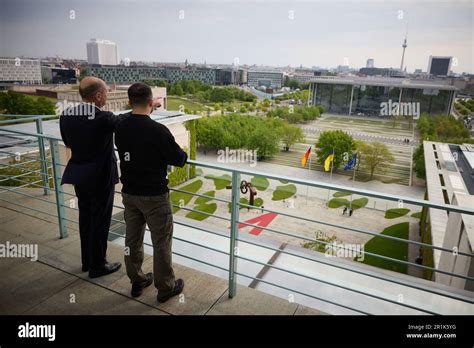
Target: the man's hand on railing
(156, 102)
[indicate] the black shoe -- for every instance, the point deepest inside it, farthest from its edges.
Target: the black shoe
(165, 296)
(137, 289)
(106, 269)
(85, 269)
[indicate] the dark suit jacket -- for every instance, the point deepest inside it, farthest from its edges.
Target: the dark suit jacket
(90, 137)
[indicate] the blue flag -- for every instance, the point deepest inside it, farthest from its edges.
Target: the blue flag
(352, 162)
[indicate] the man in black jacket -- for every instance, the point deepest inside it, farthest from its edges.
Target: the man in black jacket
(92, 169)
(146, 148)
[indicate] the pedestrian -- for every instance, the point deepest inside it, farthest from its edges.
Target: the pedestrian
(344, 211)
(350, 212)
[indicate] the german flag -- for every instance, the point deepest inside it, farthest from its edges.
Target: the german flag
(305, 157)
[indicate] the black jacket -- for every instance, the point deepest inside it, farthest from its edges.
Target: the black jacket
(146, 148)
(89, 135)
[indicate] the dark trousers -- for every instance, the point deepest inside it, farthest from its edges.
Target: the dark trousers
(154, 211)
(95, 212)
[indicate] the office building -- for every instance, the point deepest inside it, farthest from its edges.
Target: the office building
(20, 71)
(388, 72)
(267, 78)
(58, 75)
(439, 66)
(103, 52)
(364, 95)
(449, 181)
(370, 63)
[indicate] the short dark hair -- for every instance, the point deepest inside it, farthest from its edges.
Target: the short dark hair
(139, 94)
(91, 89)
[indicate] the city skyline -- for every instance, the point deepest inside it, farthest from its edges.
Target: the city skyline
(251, 32)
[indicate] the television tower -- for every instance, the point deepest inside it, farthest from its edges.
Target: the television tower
(404, 47)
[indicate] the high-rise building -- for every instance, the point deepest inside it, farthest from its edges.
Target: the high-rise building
(103, 52)
(19, 70)
(439, 66)
(370, 63)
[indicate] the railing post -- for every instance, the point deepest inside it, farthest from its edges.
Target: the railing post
(54, 148)
(42, 151)
(234, 230)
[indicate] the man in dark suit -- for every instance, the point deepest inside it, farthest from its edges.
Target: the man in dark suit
(92, 169)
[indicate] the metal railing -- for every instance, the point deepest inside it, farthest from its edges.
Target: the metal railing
(50, 168)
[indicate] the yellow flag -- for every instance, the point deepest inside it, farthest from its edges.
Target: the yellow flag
(327, 162)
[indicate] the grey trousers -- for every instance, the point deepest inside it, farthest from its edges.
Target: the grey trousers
(154, 211)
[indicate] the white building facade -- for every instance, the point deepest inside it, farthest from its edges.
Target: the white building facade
(103, 52)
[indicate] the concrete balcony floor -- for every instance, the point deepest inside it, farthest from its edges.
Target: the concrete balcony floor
(55, 284)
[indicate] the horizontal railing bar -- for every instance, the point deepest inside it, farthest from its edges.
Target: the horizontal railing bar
(337, 285)
(24, 206)
(335, 187)
(19, 187)
(21, 175)
(32, 116)
(35, 184)
(375, 234)
(364, 252)
(182, 255)
(200, 195)
(302, 293)
(391, 280)
(17, 164)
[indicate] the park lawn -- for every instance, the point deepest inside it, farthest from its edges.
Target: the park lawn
(396, 213)
(206, 208)
(260, 183)
(341, 194)
(202, 200)
(416, 215)
(284, 192)
(389, 248)
(176, 197)
(258, 202)
(221, 182)
(359, 203)
(340, 202)
(173, 103)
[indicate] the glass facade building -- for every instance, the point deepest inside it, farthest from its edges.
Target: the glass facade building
(365, 96)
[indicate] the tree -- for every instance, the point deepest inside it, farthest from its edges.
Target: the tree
(341, 142)
(264, 141)
(419, 162)
(20, 104)
(176, 89)
(374, 155)
(423, 125)
(291, 135)
(294, 84)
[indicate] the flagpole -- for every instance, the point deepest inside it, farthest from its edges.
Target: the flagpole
(353, 181)
(330, 175)
(309, 172)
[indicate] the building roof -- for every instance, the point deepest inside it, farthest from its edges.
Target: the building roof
(443, 168)
(384, 81)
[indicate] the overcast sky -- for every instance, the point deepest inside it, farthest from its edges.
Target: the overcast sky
(312, 33)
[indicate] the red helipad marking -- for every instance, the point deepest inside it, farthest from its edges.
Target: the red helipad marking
(262, 220)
